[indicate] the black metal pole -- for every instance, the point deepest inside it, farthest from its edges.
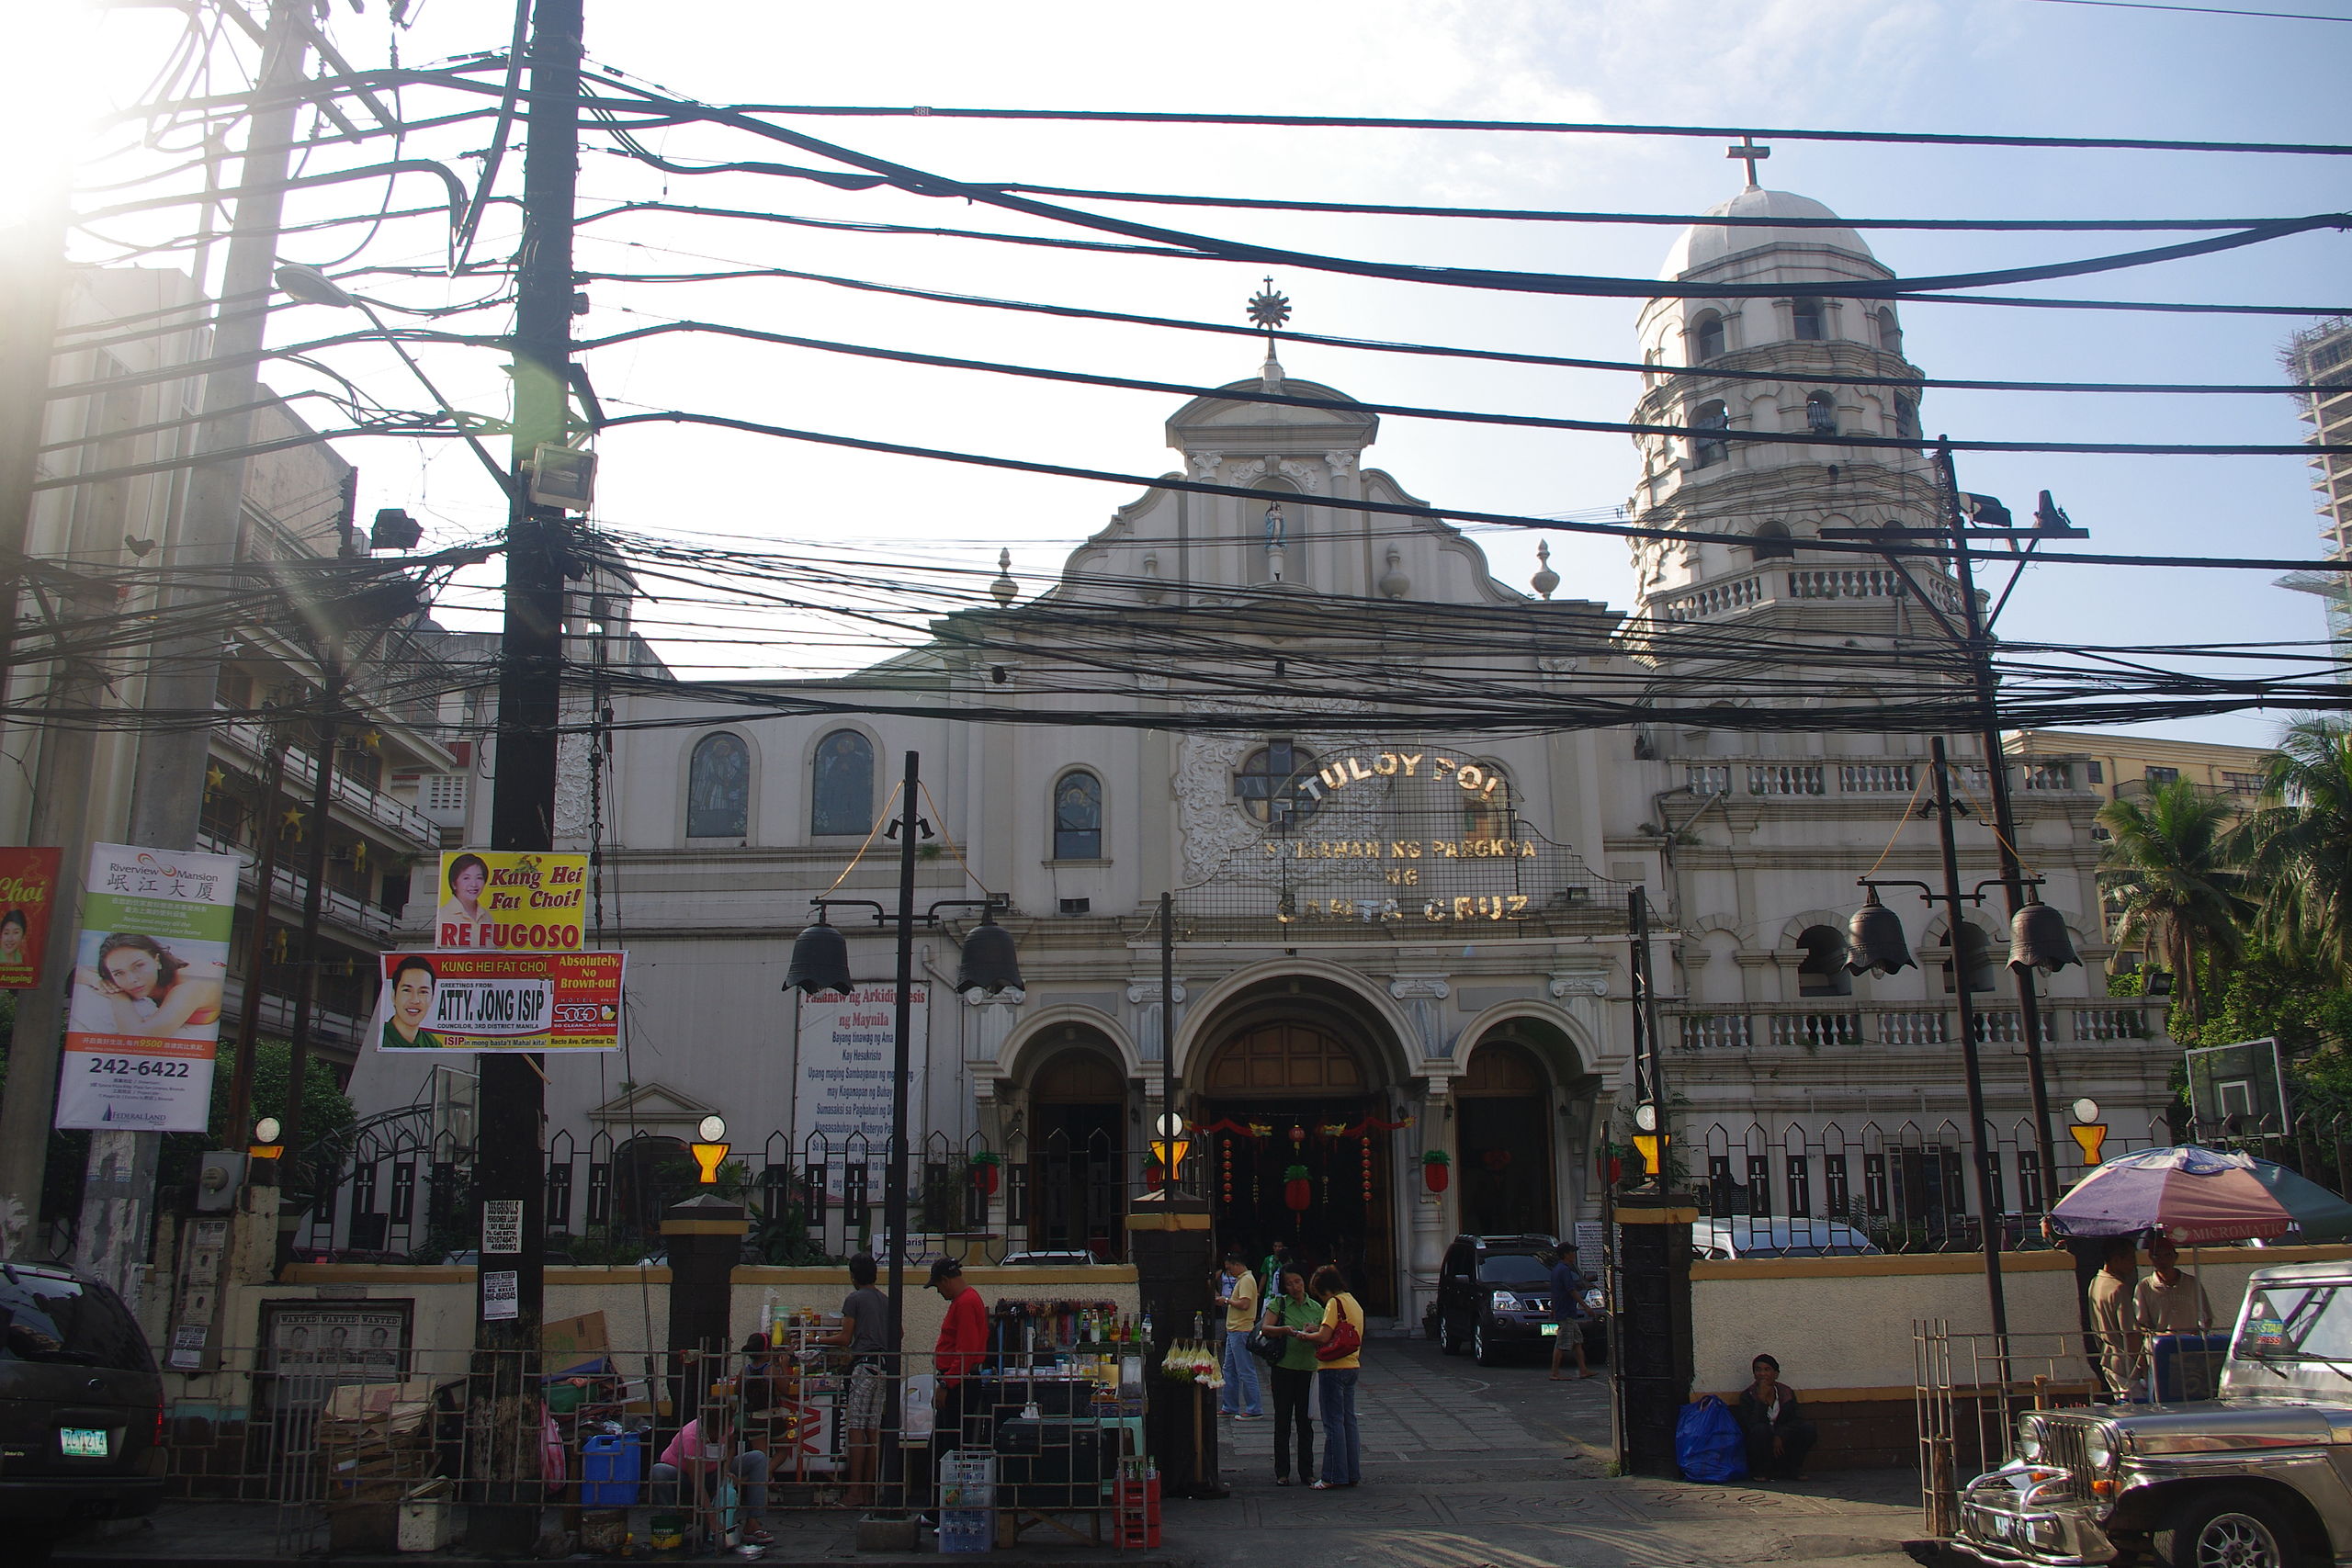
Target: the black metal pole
(894, 1174)
(238, 1131)
(1987, 1208)
(306, 977)
(1979, 650)
(1167, 1038)
(510, 1164)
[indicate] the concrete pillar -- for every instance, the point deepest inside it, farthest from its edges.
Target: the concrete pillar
(1651, 1300)
(704, 1238)
(1168, 1238)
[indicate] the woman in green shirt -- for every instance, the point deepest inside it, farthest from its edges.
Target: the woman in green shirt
(1293, 1375)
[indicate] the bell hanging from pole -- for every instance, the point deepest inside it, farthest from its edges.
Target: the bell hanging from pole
(1876, 937)
(990, 962)
(2038, 940)
(819, 958)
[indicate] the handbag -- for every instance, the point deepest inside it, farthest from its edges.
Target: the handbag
(1264, 1346)
(1345, 1341)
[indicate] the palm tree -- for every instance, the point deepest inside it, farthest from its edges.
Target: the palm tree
(2298, 845)
(2170, 863)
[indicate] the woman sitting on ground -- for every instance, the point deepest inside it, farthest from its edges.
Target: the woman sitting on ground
(1777, 1437)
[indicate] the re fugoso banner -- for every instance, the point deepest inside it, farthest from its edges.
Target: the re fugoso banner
(464, 1000)
(149, 966)
(512, 901)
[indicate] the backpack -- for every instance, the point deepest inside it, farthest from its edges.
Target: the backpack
(1346, 1339)
(1707, 1442)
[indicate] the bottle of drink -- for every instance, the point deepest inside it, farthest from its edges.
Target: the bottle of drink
(1147, 1328)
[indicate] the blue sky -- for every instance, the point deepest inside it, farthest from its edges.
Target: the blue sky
(2007, 66)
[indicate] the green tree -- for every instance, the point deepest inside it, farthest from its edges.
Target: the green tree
(2297, 846)
(2170, 863)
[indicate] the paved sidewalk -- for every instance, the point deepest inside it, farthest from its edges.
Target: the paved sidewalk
(1465, 1467)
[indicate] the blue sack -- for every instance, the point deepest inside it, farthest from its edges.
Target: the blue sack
(1707, 1443)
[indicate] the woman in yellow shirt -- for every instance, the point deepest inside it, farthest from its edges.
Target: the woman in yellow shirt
(1335, 1379)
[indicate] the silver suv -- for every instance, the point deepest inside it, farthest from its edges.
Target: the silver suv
(2259, 1477)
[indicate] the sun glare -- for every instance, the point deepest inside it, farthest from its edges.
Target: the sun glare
(58, 76)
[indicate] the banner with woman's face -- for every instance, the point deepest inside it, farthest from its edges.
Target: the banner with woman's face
(28, 894)
(151, 963)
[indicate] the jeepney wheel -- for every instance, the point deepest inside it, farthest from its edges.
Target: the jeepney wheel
(2228, 1529)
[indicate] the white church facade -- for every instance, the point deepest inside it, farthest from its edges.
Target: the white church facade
(1396, 934)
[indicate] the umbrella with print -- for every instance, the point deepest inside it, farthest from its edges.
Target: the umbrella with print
(2194, 1196)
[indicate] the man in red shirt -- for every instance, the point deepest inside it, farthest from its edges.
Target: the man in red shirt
(963, 1341)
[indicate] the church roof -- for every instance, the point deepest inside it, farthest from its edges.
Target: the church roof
(1703, 244)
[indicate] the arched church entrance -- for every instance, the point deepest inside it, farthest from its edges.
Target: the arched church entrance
(1078, 1118)
(1300, 1092)
(1503, 1142)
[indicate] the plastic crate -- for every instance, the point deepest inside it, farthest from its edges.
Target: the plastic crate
(967, 1529)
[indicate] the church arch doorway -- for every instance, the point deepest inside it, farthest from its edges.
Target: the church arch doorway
(1068, 1191)
(1503, 1142)
(1291, 1094)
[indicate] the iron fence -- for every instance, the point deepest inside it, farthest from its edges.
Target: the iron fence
(358, 1449)
(401, 1188)
(1910, 1186)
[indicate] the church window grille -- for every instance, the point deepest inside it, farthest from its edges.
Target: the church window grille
(842, 784)
(1976, 958)
(1271, 783)
(719, 788)
(1708, 449)
(1487, 814)
(1907, 417)
(1890, 332)
(1707, 338)
(1771, 541)
(1077, 816)
(1821, 414)
(1811, 320)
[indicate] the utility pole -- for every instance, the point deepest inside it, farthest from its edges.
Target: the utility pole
(241, 1073)
(306, 977)
(184, 670)
(2004, 828)
(509, 1166)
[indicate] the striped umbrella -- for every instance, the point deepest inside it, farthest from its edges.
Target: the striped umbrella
(2194, 1196)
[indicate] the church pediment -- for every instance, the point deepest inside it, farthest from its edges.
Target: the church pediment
(650, 1106)
(1207, 420)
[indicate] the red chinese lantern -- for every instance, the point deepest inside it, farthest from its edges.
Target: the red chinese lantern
(1297, 1191)
(985, 1174)
(1435, 1174)
(1496, 1159)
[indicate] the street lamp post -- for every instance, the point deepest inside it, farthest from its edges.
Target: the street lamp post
(2036, 943)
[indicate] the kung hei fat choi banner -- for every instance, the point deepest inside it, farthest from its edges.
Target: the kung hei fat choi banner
(512, 901)
(466, 1000)
(28, 893)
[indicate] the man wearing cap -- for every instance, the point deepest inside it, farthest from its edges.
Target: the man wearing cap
(963, 1339)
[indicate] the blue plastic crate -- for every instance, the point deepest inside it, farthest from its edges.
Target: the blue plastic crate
(967, 1529)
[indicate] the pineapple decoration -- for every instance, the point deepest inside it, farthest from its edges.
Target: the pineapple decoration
(1298, 1192)
(1435, 1174)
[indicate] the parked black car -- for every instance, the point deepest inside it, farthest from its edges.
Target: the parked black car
(1493, 1296)
(81, 1408)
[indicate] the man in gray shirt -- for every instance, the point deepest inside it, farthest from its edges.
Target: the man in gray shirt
(864, 1333)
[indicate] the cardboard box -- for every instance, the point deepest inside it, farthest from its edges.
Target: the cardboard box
(426, 1519)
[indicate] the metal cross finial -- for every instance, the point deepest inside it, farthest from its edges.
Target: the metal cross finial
(1748, 153)
(1270, 310)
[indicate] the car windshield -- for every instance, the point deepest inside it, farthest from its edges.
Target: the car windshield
(1512, 1268)
(44, 1318)
(2296, 1323)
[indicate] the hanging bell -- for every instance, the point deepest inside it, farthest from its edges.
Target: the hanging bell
(1875, 936)
(2038, 940)
(990, 963)
(819, 958)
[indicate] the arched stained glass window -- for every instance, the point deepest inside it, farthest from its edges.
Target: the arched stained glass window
(719, 788)
(842, 784)
(1077, 816)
